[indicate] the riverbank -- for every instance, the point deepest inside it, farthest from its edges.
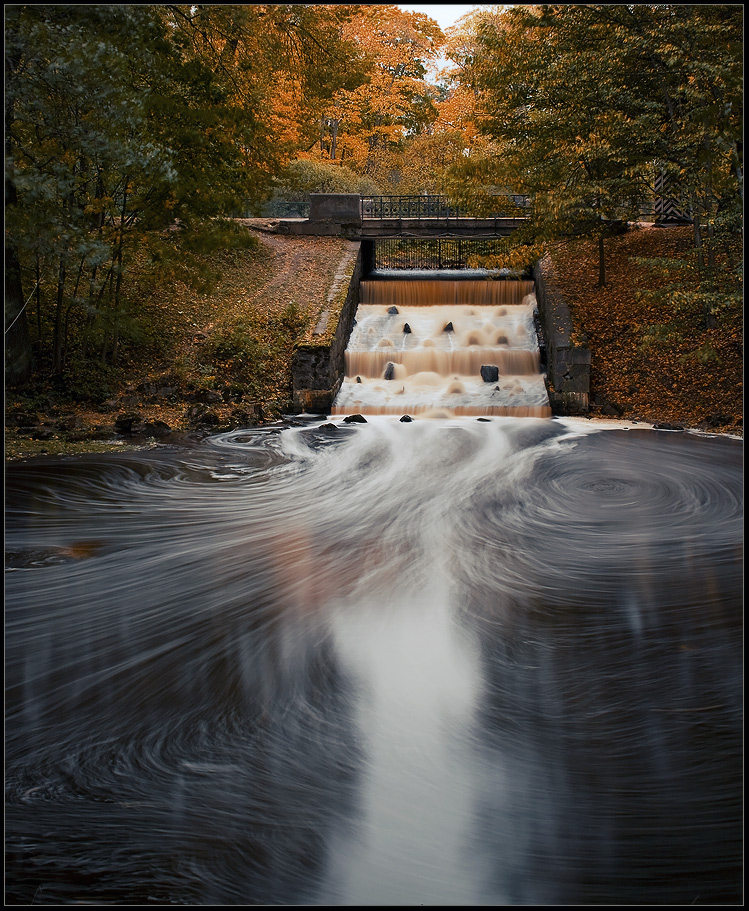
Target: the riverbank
(224, 355)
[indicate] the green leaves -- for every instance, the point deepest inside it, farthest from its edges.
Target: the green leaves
(582, 101)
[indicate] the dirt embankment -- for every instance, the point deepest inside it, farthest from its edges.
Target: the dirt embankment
(656, 354)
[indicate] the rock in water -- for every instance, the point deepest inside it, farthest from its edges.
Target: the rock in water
(406, 419)
(390, 371)
(489, 373)
(354, 419)
(448, 327)
(393, 311)
(406, 329)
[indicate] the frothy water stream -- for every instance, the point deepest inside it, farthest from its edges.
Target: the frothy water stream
(428, 348)
(454, 661)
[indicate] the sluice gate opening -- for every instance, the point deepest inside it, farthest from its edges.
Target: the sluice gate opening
(443, 348)
(434, 253)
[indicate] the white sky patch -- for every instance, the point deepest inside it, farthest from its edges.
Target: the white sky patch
(445, 14)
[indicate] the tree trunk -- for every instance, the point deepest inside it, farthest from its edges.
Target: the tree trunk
(697, 231)
(58, 348)
(118, 282)
(601, 263)
(333, 138)
(18, 362)
(38, 309)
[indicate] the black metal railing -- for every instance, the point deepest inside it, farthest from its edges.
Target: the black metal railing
(407, 207)
(435, 253)
(427, 206)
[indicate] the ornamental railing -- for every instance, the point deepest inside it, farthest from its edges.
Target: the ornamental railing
(435, 253)
(417, 207)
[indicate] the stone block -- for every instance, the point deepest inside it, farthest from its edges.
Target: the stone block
(344, 208)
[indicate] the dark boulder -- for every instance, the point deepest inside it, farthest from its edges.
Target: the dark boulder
(71, 422)
(390, 371)
(129, 423)
(393, 311)
(208, 397)
(449, 327)
(200, 416)
(489, 373)
(42, 433)
(354, 419)
(406, 329)
(406, 419)
(156, 429)
(24, 419)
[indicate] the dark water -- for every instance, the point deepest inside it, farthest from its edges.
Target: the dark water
(439, 662)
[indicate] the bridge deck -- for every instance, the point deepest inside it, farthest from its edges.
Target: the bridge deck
(439, 227)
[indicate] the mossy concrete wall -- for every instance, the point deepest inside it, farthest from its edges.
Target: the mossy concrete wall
(318, 362)
(568, 360)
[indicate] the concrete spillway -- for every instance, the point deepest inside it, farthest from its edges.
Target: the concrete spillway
(437, 348)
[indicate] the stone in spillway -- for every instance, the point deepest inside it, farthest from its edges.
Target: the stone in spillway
(390, 371)
(489, 373)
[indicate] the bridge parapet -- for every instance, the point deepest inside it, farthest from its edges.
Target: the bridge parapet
(357, 217)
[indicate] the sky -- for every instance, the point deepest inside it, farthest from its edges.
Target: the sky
(445, 14)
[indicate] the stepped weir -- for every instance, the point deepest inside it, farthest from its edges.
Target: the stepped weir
(443, 348)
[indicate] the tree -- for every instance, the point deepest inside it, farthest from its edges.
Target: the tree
(582, 101)
(430, 158)
(367, 124)
(124, 121)
(18, 360)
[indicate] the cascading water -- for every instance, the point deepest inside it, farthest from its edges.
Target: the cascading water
(451, 661)
(438, 348)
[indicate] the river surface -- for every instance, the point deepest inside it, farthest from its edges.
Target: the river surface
(457, 661)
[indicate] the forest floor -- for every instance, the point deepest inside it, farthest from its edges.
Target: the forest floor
(656, 354)
(220, 358)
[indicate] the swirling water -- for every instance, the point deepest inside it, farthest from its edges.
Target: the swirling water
(440, 662)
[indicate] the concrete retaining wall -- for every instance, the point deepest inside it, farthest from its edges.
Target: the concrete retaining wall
(318, 363)
(330, 215)
(568, 363)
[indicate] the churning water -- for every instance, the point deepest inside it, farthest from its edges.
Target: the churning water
(451, 661)
(444, 348)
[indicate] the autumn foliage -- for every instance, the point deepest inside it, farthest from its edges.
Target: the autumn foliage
(136, 136)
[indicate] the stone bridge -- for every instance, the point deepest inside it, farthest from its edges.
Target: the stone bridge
(379, 217)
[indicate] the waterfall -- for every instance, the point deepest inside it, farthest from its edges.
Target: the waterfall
(443, 349)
